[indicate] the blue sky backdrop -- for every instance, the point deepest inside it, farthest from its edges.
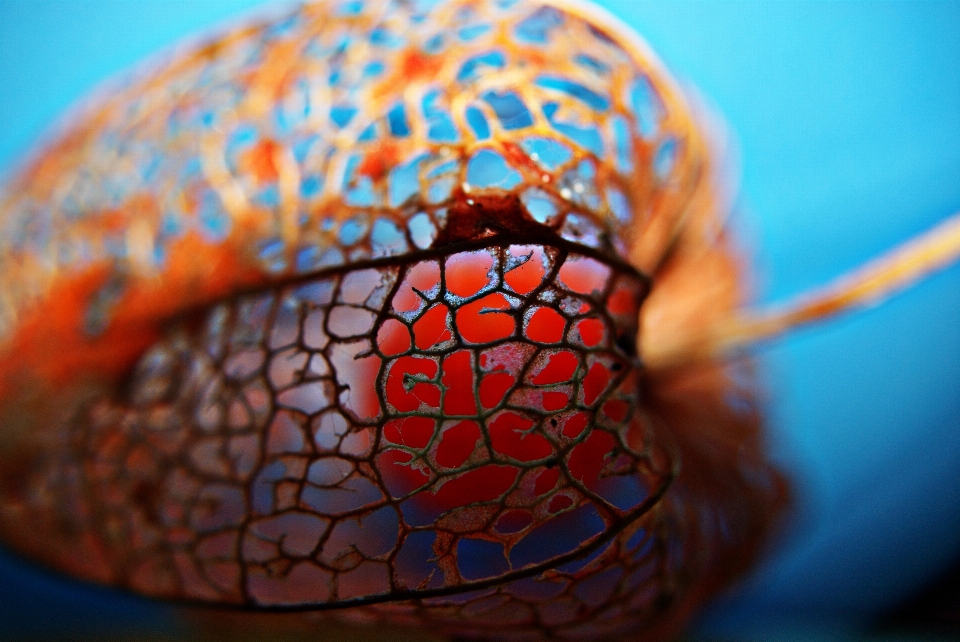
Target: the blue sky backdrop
(847, 120)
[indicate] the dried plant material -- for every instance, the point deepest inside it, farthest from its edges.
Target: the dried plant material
(405, 312)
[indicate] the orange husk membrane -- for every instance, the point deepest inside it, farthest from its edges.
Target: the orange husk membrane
(392, 369)
(385, 450)
(470, 417)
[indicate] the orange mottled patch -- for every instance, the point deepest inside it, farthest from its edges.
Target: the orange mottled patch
(412, 66)
(49, 339)
(417, 65)
(50, 342)
(260, 161)
(532, 56)
(377, 163)
(189, 282)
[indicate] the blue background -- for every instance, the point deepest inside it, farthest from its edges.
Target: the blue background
(847, 117)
